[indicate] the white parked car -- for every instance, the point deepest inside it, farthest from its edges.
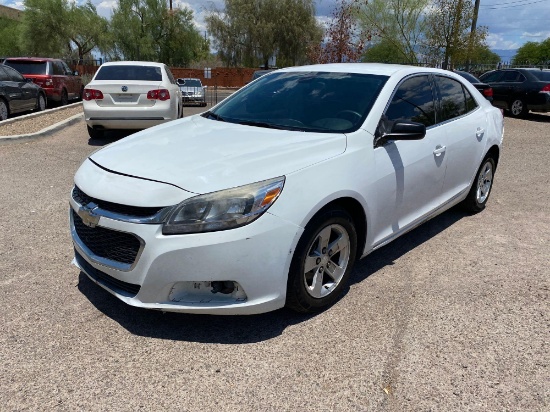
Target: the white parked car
(269, 198)
(130, 95)
(192, 91)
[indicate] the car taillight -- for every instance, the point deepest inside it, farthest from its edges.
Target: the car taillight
(92, 94)
(546, 89)
(159, 94)
(488, 92)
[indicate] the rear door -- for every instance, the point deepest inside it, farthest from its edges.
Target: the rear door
(500, 97)
(463, 123)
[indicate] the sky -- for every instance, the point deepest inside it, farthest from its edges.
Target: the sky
(511, 23)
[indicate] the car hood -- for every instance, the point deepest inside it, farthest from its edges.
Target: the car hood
(202, 155)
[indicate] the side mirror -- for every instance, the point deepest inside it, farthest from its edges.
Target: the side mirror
(398, 131)
(76, 73)
(406, 131)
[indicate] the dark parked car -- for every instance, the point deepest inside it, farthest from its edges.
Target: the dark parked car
(485, 89)
(53, 75)
(520, 90)
(18, 94)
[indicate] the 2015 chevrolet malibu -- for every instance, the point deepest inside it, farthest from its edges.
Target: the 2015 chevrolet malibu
(269, 198)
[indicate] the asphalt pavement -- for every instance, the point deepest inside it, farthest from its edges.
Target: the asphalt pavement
(453, 316)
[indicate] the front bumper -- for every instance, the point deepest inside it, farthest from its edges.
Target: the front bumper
(173, 273)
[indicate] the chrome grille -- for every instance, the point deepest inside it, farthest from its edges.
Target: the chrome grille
(106, 243)
(83, 199)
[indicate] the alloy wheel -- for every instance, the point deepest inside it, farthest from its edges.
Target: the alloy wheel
(484, 182)
(517, 107)
(3, 110)
(326, 261)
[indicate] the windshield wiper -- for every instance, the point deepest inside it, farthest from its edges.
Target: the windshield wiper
(267, 125)
(210, 115)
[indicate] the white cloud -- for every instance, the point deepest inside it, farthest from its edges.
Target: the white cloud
(538, 36)
(497, 41)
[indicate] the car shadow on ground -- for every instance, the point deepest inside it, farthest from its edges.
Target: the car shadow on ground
(536, 117)
(110, 137)
(254, 328)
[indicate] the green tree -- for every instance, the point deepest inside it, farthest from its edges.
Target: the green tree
(9, 37)
(533, 53)
(384, 51)
(400, 24)
(147, 30)
(249, 32)
(447, 32)
(58, 28)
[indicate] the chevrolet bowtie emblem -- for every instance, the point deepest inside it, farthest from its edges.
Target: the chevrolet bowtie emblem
(86, 213)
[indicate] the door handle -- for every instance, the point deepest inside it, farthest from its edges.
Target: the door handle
(480, 132)
(439, 150)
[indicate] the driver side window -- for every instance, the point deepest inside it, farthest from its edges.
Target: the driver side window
(413, 102)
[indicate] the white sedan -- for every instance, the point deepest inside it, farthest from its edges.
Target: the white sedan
(130, 95)
(269, 198)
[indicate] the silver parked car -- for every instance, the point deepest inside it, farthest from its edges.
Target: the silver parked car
(192, 91)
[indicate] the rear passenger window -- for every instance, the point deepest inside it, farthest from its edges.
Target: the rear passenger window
(4, 76)
(413, 101)
(58, 69)
(510, 76)
(453, 103)
(471, 104)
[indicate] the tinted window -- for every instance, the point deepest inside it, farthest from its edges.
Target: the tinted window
(66, 68)
(308, 101)
(451, 94)
(14, 76)
(191, 83)
(510, 76)
(413, 101)
(3, 75)
(491, 77)
(470, 77)
(58, 69)
(541, 75)
(130, 72)
(27, 67)
(471, 104)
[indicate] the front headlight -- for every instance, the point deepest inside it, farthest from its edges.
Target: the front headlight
(226, 209)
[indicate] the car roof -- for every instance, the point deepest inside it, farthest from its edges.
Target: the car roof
(33, 59)
(366, 68)
(135, 63)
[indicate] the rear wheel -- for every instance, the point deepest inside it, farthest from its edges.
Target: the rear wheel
(481, 188)
(322, 262)
(95, 133)
(518, 108)
(4, 112)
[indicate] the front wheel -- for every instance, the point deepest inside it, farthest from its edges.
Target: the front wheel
(481, 188)
(322, 262)
(40, 103)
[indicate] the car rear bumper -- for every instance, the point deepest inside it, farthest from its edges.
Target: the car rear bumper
(126, 117)
(542, 103)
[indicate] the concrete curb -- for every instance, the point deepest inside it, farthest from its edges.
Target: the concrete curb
(44, 132)
(39, 114)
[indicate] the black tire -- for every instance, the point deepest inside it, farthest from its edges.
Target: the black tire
(4, 110)
(41, 103)
(479, 193)
(518, 107)
(80, 94)
(64, 98)
(338, 224)
(95, 133)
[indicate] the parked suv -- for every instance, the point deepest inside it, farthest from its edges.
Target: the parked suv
(59, 82)
(520, 90)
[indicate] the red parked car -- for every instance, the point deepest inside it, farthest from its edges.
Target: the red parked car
(59, 82)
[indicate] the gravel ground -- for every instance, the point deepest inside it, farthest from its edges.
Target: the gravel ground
(39, 121)
(453, 316)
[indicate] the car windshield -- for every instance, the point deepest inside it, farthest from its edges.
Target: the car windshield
(28, 67)
(306, 101)
(129, 72)
(191, 83)
(541, 75)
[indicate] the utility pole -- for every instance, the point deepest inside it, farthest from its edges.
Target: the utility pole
(170, 5)
(472, 35)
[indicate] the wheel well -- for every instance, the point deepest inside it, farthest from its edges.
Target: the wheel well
(494, 152)
(356, 211)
